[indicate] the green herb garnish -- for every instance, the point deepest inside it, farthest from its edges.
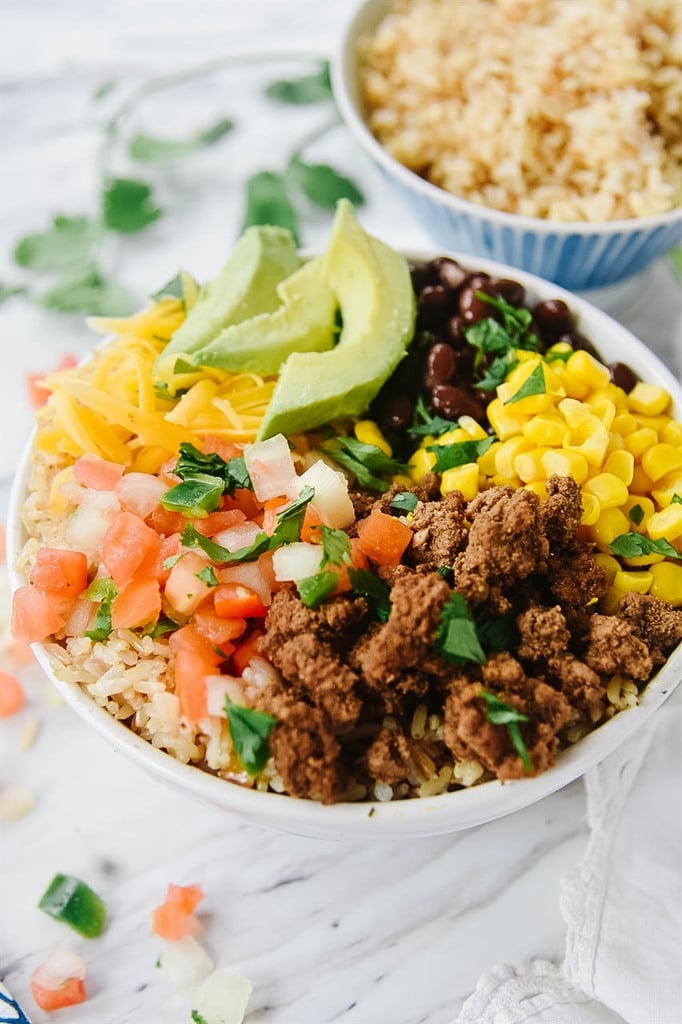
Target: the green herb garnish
(554, 356)
(195, 497)
(193, 462)
(207, 575)
(457, 640)
(65, 246)
(368, 463)
(424, 424)
(404, 502)
(104, 591)
(676, 499)
(197, 1018)
(336, 548)
(449, 456)
(304, 90)
(160, 628)
(377, 592)
(9, 291)
(322, 184)
(534, 384)
(290, 519)
(191, 538)
(499, 339)
(497, 371)
(632, 545)
(314, 589)
(268, 202)
(151, 149)
(173, 289)
(499, 713)
(86, 292)
(499, 633)
(636, 514)
(127, 205)
(249, 731)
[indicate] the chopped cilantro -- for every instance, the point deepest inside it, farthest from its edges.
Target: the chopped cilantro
(160, 628)
(191, 538)
(449, 456)
(127, 205)
(368, 463)
(304, 90)
(104, 591)
(86, 292)
(499, 713)
(636, 514)
(195, 497)
(499, 339)
(534, 384)
(425, 425)
(290, 519)
(65, 246)
(632, 545)
(197, 1018)
(446, 572)
(169, 562)
(457, 639)
(207, 575)
(366, 584)
(193, 462)
(314, 589)
(499, 633)
(249, 731)
(335, 546)
(151, 149)
(497, 371)
(558, 355)
(404, 502)
(676, 499)
(322, 184)
(268, 202)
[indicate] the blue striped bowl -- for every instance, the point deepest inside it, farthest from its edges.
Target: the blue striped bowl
(577, 256)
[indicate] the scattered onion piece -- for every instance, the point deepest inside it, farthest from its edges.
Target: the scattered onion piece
(222, 998)
(15, 803)
(59, 981)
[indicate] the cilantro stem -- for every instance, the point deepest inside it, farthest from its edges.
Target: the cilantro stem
(313, 135)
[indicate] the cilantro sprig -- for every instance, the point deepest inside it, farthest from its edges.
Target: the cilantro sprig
(249, 731)
(313, 590)
(534, 384)
(336, 549)
(499, 340)
(374, 589)
(404, 502)
(449, 456)
(195, 463)
(457, 639)
(633, 545)
(194, 497)
(368, 463)
(104, 591)
(425, 425)
(500, 713)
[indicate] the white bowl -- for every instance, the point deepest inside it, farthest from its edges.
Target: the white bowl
(578, 256)
(449, 812)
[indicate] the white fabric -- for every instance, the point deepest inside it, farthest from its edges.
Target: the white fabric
(622, 904)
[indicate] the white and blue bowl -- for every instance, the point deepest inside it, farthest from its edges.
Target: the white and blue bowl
(575, 255)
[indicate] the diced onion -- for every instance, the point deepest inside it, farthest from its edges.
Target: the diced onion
(240, 536)
(217, 689)
(249, 574)
(60, 966)
(331, 498)
(140, 492)
(186, 963)
(271, 468)
(223, 998)
(296, 561)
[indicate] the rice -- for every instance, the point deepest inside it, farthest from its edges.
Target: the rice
(564, 110)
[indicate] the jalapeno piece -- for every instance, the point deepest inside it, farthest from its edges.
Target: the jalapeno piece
(71, 901)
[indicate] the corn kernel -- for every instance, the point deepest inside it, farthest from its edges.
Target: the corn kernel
(632, 582)
(507, 452)
(637, 441)
(603, 408)
(560, 346)
(367, 432)
(641, 483)
(461, 478)
(646, 510)
(637, 561)
(611, 524)
(588, 369)
(472, 427)
(667, 583)
(563, 462)
(575, 387)
(420, 463)
(528, 465)
(574, 412)
(624, 423)
(660, 460)
(547, 431)
(657, 423)
(402, 480)
(622, 465)
(486, 462)
(537, 487)
(504, 481)
(455, 436)
(666, 523)
(648, 399)
(591, 439)
(610, 601)
(504, 420)
(615, 395)
(609, 564)
(532, 404)
(608, 489)
(667, 488)
(672, 433)
(591, 509)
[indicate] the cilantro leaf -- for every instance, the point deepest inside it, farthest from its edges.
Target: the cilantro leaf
(336, 548)
(249, 731)
(304, 90)
(404, 501)
(632, 545)
(103, 89)
(555, 355)
(322, 184)
(268, 202)
(192, 463)
(499, 633)
(497, 371)
(87, 293)
(191, 538)
(314, 589)
(173, 289)
(66, 246)
(151, 149)
(449, 456)
(534, 384)
(377, 592)
(636, 514)
(8, 292)
(207, 575)
(676, 499)
(161, 627)
(424, 424)
(195, 497)
(169, 562)
(500, 713)
(290, 519)
(489, 336)
(127, 205)
(365, 461)
(516, 320)
(104, 591)
(457, 640)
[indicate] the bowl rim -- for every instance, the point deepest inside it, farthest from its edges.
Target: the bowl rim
(447, 812)
(344, 80)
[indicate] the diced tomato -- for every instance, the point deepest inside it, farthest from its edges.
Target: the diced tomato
(185, 897)
(137, 604)
(185, 590)
(212, 444)
(38, 394)
(166, 522)
(125, 545)
(99, 474)
(11, 695)
(310, 531)
(235, 601)
(214, 522)
(153, 564)
(383, 538)
(36, 616)
(218, 631)
(272, 506)
(170, 922)
(246, 650)
(358, 560)
(245, 501)
(195, 658)
(60, 573)
(70, 993)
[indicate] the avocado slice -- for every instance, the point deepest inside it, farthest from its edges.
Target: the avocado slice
(245, 287)
(374, 291)
(305, 322)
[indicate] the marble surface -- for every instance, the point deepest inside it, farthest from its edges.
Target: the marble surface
(394, 932)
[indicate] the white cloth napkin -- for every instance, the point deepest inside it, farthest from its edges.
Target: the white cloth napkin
(622, 904)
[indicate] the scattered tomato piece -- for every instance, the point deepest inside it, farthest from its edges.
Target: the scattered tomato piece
(235, 601)
(383, 538)
(174, 919)
(195, 658)
(36, 616)
(59, 981)
(246, 650)
(11, 695)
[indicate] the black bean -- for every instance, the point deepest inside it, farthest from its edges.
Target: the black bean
(454, 331)
(578, 341)
(511, 291)
(422, 274)
(432, 305)
(554, 317)
(395, 412)
(441, 364)
(452, 402)
(450, 273)
(478, 278)
(623, 376)
(471, 308)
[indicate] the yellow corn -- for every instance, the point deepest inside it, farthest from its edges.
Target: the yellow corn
(454, 436)
(506, 453)
(666, 523)
(588, 369)
(546, 430)
(367, 432)
(591, 509)
(657, 423)
(402, 479)
(633, 582)
(624, 423)
(648, 399)
(610, 601)
(661, 459)
(505, 421)
(603, 408)
(576, 413)
(611, 524)
(504, 481)
(622, 465)
(565, 462)
(641, 483)
(667, 488)
(461, 478)
(538, 487)
(528, 465)
(421, 462)
(666, 584)
(576, 388)
(472, 428)
(647, 509)
(672, 433)
(609, 490)
(486, 462)
(609, 564)
(637, 441)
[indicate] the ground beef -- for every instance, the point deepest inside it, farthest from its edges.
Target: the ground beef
(561, 512)
(613, 647)
(506, 543)
(577, 582)
(657, 624)
(581, 684)
(389, 757)
(543, 633)
(306, 753)
(333, 622)
(440, 531)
